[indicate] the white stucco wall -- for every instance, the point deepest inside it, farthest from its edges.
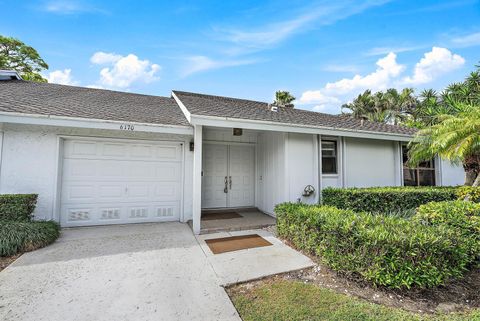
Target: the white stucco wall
(30, 158)
(370, 162)
(302, 167)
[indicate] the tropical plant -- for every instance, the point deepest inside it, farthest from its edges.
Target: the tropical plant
(455, 138)
(391, 106)
(16, 55)
(283, 99)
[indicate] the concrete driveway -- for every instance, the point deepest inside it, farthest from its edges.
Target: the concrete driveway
(131, 272)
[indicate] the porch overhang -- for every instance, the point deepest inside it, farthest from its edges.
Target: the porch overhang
(228, 122)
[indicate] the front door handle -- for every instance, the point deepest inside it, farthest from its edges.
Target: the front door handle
(230, 182)
(225, 190)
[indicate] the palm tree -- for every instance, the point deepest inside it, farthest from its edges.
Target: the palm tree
(455, 138)
(283, 99)
(390, 106)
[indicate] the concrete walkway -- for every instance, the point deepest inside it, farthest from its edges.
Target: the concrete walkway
(133, 272)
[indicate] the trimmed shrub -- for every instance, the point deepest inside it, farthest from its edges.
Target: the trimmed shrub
(460, 215)
(384, 250)
(385, 200)
(18, 237)
(17, 207)
(473, 193)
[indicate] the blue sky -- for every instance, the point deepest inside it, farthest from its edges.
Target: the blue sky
(324, 52)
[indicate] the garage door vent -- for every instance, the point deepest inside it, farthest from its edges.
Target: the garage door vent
(164, 211)
(111, 213)
(79, 215)
(138, 212)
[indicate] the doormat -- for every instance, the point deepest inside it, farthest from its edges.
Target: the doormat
(235, 243)
(220, 216)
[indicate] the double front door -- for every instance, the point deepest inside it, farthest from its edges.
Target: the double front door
(228, 176)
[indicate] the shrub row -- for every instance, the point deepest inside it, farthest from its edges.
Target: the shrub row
(386, 199)
(17, 207)
(385, 250)
(459, 215)
(18, 236)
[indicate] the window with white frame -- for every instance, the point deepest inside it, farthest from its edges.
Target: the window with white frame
(422, 175)
(329, 157)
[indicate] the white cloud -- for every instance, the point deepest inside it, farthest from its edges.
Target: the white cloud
(470, 40)
(101, 57)
(268, 35)
(196, 64)
(123, 71)
(317, 97)
(387, 69)
(435, 63)
(380, 51)
(67, 7)
(62, 77)
(389, 73)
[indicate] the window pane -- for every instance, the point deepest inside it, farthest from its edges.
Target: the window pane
(329, 157)
(410, 177)
(329, 165)
(426, 177)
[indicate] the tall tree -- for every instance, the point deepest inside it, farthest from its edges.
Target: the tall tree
(455, 138)
(16, 55)
(283, 99)
(390, 107)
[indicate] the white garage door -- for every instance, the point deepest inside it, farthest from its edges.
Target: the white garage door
(117, 182)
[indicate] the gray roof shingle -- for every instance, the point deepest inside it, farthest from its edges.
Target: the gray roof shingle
(208, 105)
(18, 96)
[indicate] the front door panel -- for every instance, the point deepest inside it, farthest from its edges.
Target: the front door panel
(241, 173)
(215, 165)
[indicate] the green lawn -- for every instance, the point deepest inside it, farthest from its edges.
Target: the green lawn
(295, 301)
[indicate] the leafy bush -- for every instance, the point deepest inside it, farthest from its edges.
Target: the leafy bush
(17, 207)
(18, 237)
(385, 200)
(460, 215)
(473, 193)
(385, 250)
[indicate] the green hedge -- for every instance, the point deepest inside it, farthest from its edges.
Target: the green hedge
(386, 199)
(460, 215)
(473, 193)
(385, 250)
(17, 207)
(18, 237)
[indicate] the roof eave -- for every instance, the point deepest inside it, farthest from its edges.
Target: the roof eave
(293, 128)
(91, 123)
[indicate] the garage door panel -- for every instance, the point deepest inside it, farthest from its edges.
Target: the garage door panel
(116, 183)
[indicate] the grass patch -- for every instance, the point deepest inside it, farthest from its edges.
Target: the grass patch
(296, 301)
(16, 237)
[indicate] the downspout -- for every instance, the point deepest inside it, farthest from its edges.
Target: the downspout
(319, 167)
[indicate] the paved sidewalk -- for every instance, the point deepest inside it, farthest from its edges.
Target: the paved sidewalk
(133, 272)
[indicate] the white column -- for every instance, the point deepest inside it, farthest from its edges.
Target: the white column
(197, 178)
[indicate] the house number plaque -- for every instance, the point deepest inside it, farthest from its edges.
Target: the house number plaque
(127, 127)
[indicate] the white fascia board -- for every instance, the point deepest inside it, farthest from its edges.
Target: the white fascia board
(49, 120)
(283, 127)
(182, 107)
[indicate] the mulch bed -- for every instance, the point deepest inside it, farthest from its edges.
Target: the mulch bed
(458, 295)
(7, 260)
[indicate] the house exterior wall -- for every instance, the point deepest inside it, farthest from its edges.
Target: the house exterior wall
(30, 161)
(370, 162)
(450, 174)
(302, 167)
(271, 171)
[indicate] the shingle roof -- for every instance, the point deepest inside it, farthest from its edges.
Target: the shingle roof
(26, 97)
(208, 105)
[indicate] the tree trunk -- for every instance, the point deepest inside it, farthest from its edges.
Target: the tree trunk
(477, 181)
(469, 178)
